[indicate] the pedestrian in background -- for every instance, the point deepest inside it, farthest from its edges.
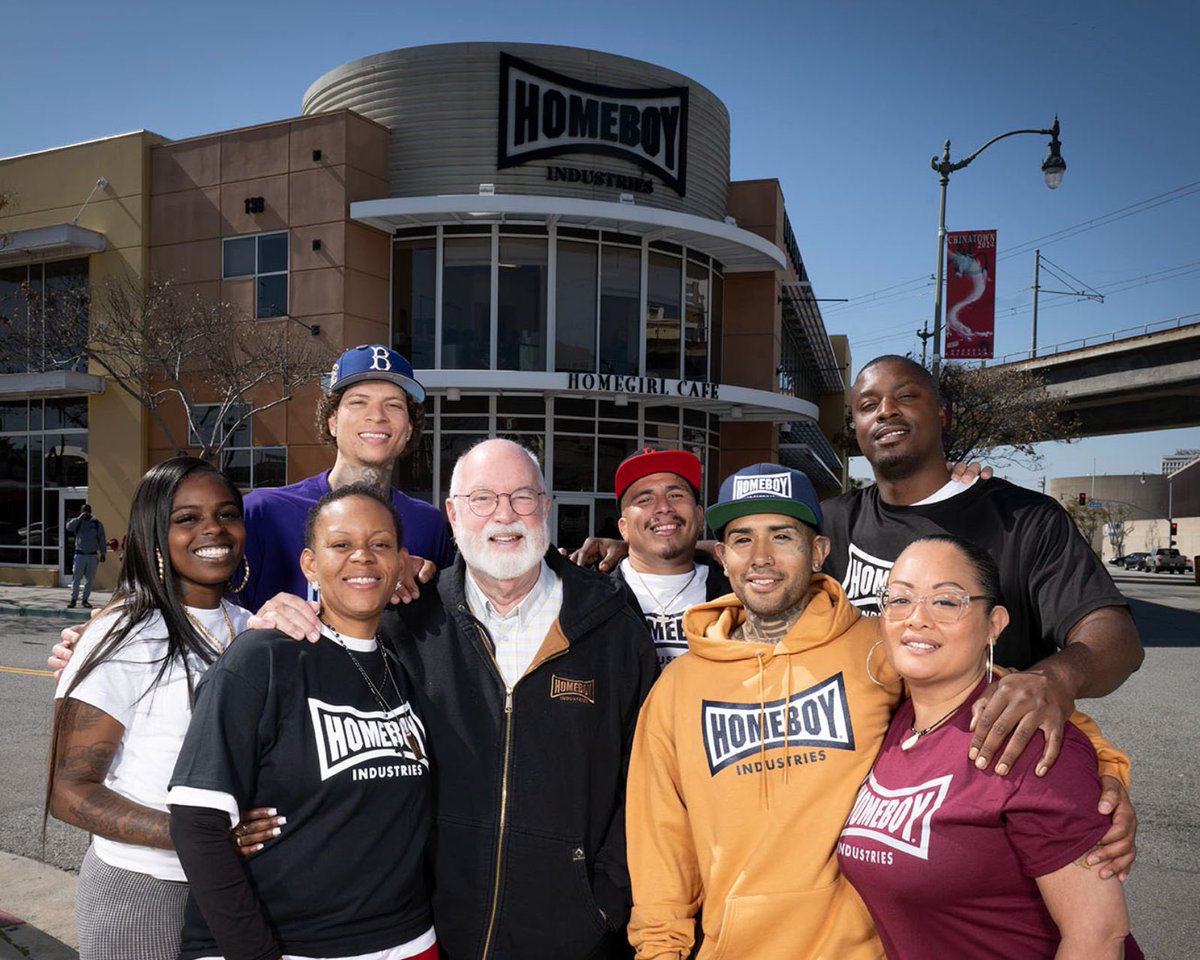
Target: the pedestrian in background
(90, 550)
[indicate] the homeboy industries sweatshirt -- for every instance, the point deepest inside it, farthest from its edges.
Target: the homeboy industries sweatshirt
(746, 760)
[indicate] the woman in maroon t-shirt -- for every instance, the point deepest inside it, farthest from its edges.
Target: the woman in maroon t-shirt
(953, 861)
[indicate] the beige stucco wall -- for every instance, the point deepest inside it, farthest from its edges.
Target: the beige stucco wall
(48, 188)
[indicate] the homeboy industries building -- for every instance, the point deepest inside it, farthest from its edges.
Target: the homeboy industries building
(550, 234)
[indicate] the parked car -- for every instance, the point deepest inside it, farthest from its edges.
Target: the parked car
(1165, 559)
(1117, 561)
(1134, 561)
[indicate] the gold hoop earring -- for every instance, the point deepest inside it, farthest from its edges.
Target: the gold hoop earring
(162, 567)
(869, 673)
(245, 578)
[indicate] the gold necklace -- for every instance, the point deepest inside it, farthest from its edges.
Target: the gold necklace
(207, 634)
(662, 616)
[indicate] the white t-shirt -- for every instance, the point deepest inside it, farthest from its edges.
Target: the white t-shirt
(155, 718)
(663, 598)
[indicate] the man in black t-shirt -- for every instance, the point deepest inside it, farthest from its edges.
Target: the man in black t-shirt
(1071, 634)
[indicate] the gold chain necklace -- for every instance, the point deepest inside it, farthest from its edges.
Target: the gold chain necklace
(662, 617)
(208, 635)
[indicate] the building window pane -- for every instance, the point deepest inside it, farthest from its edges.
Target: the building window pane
(575, 307)
(717, 316)
(273, 253)
(239, 255)
(414, 289)
(620, 282)
(695, 327)
(663, 284)
(574, 462)
(521, 306)
(65, 316)
(271, 300)
(14, 417)
(466, 303)
(414, 473)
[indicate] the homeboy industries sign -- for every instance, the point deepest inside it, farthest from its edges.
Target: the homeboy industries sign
(544, 114)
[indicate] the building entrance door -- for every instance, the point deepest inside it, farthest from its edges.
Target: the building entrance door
(572, 520)
(70, 499)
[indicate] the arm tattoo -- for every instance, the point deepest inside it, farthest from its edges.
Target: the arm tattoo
(89, 739)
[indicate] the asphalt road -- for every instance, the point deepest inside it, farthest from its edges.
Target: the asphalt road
(1154, 717)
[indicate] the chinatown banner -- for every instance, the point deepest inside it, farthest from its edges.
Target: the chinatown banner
(970, 294)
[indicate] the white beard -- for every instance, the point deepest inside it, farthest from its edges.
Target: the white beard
(479, 554)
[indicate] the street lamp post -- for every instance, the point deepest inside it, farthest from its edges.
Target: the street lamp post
(1052, 169)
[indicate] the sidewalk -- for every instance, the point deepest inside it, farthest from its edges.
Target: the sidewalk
(27, 601)
(37, 910)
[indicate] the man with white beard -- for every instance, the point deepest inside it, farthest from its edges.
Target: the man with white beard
(528, 673)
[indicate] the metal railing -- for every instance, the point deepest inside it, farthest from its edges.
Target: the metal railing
(1124, 333)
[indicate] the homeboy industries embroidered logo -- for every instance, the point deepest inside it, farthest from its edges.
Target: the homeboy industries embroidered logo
(567, 688)
(816, 717)
(865, 577)
(897, 818)
(347, 738)
(544, 114)
(763, 485)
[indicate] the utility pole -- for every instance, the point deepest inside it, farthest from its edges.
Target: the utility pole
(925, 334)
(1037, 264)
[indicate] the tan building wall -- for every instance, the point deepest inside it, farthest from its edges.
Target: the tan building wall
(50, 188)
(307, 171)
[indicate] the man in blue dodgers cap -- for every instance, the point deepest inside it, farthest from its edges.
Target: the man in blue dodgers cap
(372, 413)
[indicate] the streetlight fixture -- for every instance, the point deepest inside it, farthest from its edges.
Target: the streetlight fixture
(1053, 168)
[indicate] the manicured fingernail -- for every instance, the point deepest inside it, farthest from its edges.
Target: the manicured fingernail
(281, 821)
(271, 811)
(256, 848)
(276, 832)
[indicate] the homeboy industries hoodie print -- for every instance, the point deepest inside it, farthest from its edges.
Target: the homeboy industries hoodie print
(746, 760)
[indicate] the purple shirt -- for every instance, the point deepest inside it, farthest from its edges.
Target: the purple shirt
(275, 536)
(945, 856)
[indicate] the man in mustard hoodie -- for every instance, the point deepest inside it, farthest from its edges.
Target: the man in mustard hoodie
(749, 751)
(751, 747)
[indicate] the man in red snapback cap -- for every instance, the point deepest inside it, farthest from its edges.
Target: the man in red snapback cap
(658, 492)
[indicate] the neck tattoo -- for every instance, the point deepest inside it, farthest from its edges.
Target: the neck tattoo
(756, 629)
(662, 617)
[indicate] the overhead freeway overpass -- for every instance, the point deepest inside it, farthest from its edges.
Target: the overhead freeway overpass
(1147, 381)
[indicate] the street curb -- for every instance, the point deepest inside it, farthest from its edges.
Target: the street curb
(19, 939)
(60, 614)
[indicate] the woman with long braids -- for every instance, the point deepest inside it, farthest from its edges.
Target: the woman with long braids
(124, 702)
(325, 732)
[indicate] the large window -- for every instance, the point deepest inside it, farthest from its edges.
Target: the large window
(664, 286)
(44, 316)
(414, 300)
(466, 302)
(575, 306)
(620, 285)
(521, 304)
(491, 288)
(43, 448)
(263, 258)
(247, 465)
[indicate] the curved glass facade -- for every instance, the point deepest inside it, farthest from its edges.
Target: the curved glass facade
(538, 299)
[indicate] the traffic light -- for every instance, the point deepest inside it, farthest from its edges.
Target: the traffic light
(1083, 498)
(1174, 528)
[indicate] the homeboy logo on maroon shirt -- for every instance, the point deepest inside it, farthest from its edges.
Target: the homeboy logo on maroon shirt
(897, 818)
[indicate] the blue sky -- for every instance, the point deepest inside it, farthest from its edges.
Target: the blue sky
(843, 102)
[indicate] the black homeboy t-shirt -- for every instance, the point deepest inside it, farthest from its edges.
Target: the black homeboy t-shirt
(293, 725)
(1049, 577)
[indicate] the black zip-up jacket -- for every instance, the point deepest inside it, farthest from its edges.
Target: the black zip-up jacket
(716, 585)
(529, 839)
